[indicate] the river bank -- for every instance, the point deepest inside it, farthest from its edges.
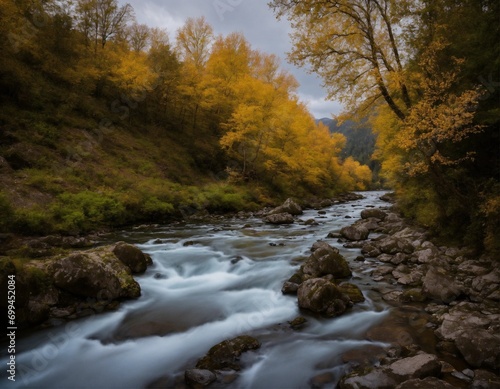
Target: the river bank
(451, 300)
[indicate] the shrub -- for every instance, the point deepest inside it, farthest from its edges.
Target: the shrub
(33, 221)
(228, 198)
(87, 210)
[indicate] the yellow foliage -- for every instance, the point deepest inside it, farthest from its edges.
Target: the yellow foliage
(133, 74)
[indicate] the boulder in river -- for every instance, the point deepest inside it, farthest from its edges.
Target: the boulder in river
(473, 330)
(131, 256)
(420, 366)
(279, 218)
(290, 288)
(375, 379)
(322, 296)
(325, 260)
(289, 206)
(96, 273)
(352, 291)
(400, 372)
(390, 245)
(226, 354)
(373, 213)
(481, 349)
(355, 232)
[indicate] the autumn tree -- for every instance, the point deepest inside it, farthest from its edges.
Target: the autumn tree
(101, 20)
(165, 64)
(193, 41)
(192, 45)
(228, 63)
(138, 36)
(355, 45)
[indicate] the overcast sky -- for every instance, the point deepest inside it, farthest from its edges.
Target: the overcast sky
(254, 19)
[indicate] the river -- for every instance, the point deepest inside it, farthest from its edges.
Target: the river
(211, 282)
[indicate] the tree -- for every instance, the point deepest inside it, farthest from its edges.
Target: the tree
(193, 43)
(101, 20)
(194, 40)
(138, 36)
(165, 64)
(355, 45)
(228, 63)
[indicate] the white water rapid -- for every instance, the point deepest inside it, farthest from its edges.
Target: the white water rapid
(226, 282)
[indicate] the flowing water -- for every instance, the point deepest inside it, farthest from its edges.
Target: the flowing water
(210, 282)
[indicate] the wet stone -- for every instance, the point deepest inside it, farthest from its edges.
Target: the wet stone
(199, 377)
(298, 323)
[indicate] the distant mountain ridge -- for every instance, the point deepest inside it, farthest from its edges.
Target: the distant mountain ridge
(360, 139)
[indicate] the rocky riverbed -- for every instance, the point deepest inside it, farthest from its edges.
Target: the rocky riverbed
(440, 332)
(448, 296)
(446, 290)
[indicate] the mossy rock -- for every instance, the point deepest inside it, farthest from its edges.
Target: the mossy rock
(353, 292)
(413, 295)
(322, 296)
(225, 355)
(95, 273)
(132, 257)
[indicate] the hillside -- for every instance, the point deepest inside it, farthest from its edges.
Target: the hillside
(117, 125)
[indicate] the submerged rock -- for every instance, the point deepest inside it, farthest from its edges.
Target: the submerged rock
(199, 377)
(297, 323)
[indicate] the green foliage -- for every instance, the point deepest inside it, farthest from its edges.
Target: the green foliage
(419, 204)
(45, 134)
(86, 210)
(227, 198)
(44, 181)
(360, 139)
(32, 221)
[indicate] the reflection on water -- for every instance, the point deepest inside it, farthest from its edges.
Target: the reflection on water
(225, 282)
